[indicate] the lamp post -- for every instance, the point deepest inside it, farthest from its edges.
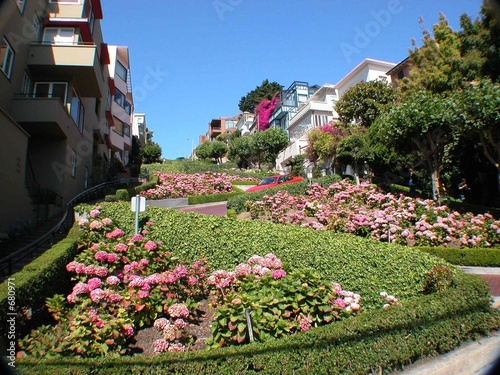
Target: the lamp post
(192, 147)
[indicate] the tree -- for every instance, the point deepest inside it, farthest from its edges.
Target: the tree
(421, 125)
(436, 65)
(218, 150)
(478, 106)
(353, 150)
(265, 91)
(135, 159)
(269, 143)
(151, 153)
(203, 151)
(322, 143)
(364, 101)
(242, 150)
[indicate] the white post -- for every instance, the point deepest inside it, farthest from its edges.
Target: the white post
(137, 207)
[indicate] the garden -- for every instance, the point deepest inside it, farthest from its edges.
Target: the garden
(192, 293)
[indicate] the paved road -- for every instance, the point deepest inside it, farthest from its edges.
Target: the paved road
(216, 209)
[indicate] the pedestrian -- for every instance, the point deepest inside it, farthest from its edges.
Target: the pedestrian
(462, 188)
(412, 181)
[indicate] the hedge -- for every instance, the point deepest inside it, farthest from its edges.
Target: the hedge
(422, 325)
(42, 278)
(466, 257)
(376, 341)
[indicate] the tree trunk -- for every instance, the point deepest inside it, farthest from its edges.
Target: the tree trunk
(435, 185)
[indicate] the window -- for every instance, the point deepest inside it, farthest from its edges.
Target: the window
(37, 27)
(118, 128)
(77, 111)
(60, 35)
(73, 163)
(26, 84)
(6, 58)
(121, 71)
(119, 98)
(127, 107)
(20, 5)
(51, 90)
(126, 130)
(401, 74)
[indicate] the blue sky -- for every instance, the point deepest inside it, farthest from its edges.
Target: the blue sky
(192, 60)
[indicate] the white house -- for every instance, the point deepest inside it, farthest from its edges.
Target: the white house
(319, 108)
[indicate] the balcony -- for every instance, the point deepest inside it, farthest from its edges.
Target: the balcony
(43, 117)
(69, 62)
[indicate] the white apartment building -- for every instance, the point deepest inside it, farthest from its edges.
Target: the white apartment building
(319, 108)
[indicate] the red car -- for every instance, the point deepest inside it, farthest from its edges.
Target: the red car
(273, 181)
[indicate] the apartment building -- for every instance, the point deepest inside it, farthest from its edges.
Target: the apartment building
(245, 123)
(220, 126)
(122, 104)
(290, 101)
(318, 109)
(56, 96)
(139, 127)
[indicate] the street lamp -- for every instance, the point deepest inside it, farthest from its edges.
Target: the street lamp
(192, 148)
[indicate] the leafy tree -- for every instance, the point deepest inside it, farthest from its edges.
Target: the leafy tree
(265, 91)
(218, 150)
(203, 151)
(421, 124)
(151, 153)
(296, 165)
(269, 143)
(353, 150)
(437, 65)
(322, 143)
(135, 159)
(242, 150)
(478, 106)
(363, 102)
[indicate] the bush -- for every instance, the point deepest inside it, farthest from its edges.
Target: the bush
(466, 257)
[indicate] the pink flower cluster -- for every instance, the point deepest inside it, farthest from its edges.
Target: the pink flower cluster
(178, 310)
(365, 211)
(182, 185)
(81, 268)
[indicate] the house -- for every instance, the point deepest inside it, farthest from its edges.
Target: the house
(290, 101)
(318, 109)
(139, 127)
(56, 111)
(219, 126)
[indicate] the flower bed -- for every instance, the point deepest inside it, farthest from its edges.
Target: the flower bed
(365, 211)
(184, 185)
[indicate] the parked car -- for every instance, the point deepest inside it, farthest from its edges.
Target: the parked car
(273, 181)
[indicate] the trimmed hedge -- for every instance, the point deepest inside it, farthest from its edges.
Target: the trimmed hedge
(383, 339)
(422, 325)
(466, 257)
(42, 278)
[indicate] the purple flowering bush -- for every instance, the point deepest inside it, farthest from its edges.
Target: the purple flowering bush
(365, 211)
(278, 303)
(176, 185)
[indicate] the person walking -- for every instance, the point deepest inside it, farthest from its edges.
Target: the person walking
(412, 181)
(462, 188)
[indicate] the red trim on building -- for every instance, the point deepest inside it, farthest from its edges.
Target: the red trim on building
(105, 59)
(97, 9)
(111, 85)
(109, 117)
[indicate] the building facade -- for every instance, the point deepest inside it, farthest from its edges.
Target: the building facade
(139, 127)
(56, 96)
(319, 108)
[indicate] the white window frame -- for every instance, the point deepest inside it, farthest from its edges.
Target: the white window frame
(61, 39)
(77, 111)
(26, 84)
(119, 66)
(7, 62)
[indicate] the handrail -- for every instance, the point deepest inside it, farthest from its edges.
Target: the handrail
(9, 261)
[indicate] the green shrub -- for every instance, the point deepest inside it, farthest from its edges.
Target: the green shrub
(379, 340)
(466, 257)
(111, 198)
(122, 194)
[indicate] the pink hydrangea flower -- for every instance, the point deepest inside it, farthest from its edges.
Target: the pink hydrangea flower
(192, 280)
(278, 274)
(112, 258)
(94, 213)
(243, 269)
(178, 310)
(305, 324)
(107, 221)
(128, 330)
(113, 280)
(95, 225)
(180, 271)
(176, 347)
(83, 222)
(160, 346)
(121, 248)
(101, 256)
(143, 294)
(114, 234)
(114, 298)
(180, 323)
(150, 245)
(160, 323)
(97, 294)
(94, 283)
(339, 302)
(136, 237)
